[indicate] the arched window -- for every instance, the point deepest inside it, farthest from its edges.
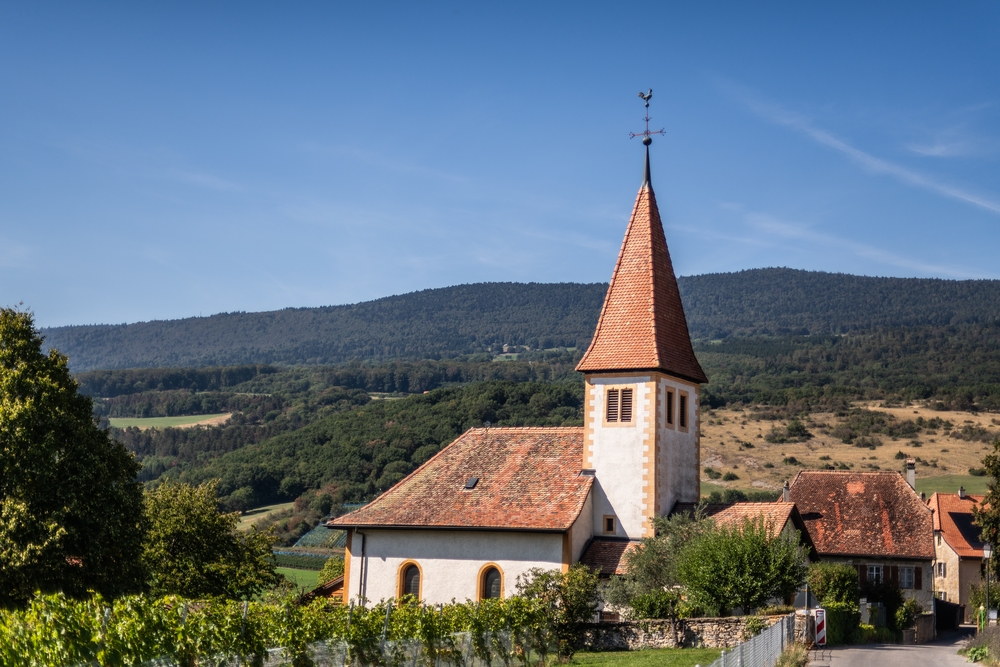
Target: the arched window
(490, 582)
(409, 580)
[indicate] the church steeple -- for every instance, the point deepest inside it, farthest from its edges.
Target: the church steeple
(642, 325)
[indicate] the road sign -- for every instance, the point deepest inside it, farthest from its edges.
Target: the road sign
(820, 627)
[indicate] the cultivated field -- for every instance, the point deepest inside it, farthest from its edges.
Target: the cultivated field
(252, 516)
(946, 445)
(188, 421)
(305, 580)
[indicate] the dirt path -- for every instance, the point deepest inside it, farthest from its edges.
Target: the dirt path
(214, 421)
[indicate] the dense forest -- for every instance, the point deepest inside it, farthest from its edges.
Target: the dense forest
(476, 319)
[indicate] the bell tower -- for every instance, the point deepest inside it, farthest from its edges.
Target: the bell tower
(642, 384)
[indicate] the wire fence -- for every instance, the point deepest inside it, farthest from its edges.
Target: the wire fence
(762, 650)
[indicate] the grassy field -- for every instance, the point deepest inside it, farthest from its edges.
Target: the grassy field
(654, 657)
(733, 442)
(250, 516)
(167, 422)
(950, 484)
(306, 580)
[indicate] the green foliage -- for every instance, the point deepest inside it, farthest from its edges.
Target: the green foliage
(842, 622)
(657, 604)
(889, 594)
(739, 496)
(192, 549)
(907, 613)
(300, 561)
(56, 630)
(834, 582)
(70, 511)
(795, 655)
(333, 568)
(651, 569)
(866, 634)
(741, 566)
(794, 432)
(730, 477)
(753, 626)
(978, 653)
(365, 451)
(987, 513)
(776, 610)
(977, 595)
(570, 598)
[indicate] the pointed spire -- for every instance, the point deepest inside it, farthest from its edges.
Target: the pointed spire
(642, 325)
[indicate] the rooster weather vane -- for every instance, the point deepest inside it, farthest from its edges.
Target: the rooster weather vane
(647, 137)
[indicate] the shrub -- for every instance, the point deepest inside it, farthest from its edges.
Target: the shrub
(753, 626)
(906, 614)
(333, 568)
(868, 441)
(977, 472)
(834, 582)
(730, 477)
(712, 473)
(776, 610)
(842, 621)
(984, 643)
(866, 634)
(657, 604)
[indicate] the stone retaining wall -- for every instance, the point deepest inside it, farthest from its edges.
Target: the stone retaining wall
(688, 632)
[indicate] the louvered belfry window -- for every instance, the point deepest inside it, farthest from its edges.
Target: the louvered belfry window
(619, 405)
(613, 396)
(626, 409)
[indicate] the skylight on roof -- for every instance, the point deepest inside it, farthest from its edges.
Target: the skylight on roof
(471, 483)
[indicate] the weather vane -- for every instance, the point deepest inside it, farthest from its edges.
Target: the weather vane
(647, 137)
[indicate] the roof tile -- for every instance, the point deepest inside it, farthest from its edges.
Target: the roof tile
(605, 555)
(863, 514)
(642, 324)
(529, 479)
(953, 517)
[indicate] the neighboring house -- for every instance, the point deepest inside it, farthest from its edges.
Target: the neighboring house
(781, 516)
(873, 521)
(499, 501)
(959, 552)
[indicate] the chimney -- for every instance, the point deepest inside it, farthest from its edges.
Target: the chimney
(961, 492)
(911, 473)
(923, 497)
(786, 493)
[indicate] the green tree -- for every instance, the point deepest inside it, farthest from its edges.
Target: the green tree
(651, 568)
(194, 550)
(742, 566)
(70, 509)
(986, 514)
(332, 568)
(571, 598)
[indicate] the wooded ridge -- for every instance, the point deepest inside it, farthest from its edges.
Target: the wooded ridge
(479, 318)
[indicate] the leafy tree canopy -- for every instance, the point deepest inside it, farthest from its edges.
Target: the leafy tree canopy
(194, 550)
(332, 568)
(70, 511)
(571, 597)
(834, 582)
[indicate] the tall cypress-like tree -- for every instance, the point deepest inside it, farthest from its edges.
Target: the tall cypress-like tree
(71, 511)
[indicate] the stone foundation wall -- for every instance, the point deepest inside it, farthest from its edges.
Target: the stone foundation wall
(689, 632)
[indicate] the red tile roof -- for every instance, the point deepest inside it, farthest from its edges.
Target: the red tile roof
(953, 517)
(605, 555)
(642, 324)
(732, 515)
(863, 514)
(529, 479)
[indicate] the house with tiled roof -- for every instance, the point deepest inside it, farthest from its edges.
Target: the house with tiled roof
(498, 502)
(957, 547)
(873, 521)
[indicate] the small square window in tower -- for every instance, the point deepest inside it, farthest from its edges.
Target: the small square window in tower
(682, 410)
(609, 525)
(670, 408)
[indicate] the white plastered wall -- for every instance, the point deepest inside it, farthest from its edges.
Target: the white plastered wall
(618, 453)
(450, 561)
(679, 471)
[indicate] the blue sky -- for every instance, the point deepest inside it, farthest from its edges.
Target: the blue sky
(164, 160)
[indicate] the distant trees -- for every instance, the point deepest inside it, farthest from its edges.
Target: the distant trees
(71, 514)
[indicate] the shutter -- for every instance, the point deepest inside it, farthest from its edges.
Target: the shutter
(670, 407)
(626, 413)
(894, 574)
(863, 573)
(612, 405)
(918, 578)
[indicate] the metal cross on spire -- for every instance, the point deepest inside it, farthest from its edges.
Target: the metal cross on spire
(647, 138)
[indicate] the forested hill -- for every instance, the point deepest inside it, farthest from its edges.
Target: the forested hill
(468, 319)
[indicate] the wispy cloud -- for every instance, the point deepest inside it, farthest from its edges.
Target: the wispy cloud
(13, 255)
(204, 180)
(942, 149)
(774, 113)
(381, 161)
(775, 228)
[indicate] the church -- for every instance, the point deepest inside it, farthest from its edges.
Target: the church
(498, 502)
